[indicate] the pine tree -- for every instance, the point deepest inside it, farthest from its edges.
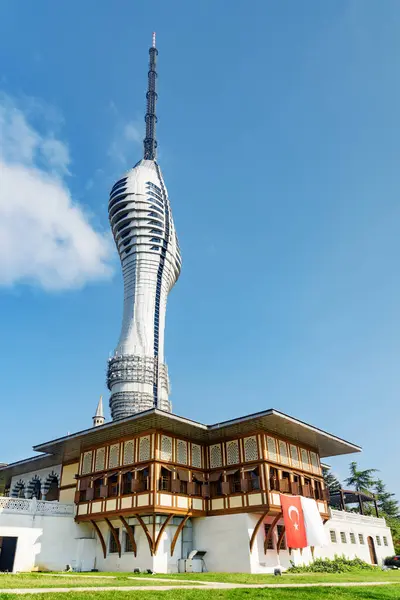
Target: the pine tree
(387, 504)
(331, 482)
(361, 481)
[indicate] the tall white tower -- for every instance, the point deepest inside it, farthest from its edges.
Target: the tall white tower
(144, 233)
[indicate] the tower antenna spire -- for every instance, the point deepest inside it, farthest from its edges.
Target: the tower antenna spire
(150, 142)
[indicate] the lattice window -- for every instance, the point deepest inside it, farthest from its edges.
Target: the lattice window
(100, 459)
(361, 538)
(87, 463)
(250, 449)
(181, 452)
(215, 456)
(128, 452)
(166, 448)
(113, 460)
(352, 538)
(294, 455)
(232, 452)
(283, 451)
(196, 456)
(144, 448)
(343, 538)
(314, 462)
(305, 459)
(271, 445)
(332, 534)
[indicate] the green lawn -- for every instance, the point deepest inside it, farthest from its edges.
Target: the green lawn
(38, 580)
(390, 592)
(358, 576)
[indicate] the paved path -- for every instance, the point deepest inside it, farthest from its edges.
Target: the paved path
(202, 585)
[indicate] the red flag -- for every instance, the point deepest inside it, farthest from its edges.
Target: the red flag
(294, 521)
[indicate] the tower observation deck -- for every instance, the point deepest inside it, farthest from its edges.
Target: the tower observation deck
(144, 233)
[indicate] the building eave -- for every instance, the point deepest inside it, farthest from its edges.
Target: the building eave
(34, 463)
(272, 420)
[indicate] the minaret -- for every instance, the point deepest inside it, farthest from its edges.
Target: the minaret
(144, 233)
(98, 418)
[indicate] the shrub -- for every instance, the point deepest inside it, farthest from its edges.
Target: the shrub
(339, 564)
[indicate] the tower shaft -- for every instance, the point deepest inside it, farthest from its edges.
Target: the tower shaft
(144, 232)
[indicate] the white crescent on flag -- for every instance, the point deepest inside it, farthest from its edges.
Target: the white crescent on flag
(295, 510)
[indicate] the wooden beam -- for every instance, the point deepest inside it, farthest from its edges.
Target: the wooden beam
(280, 540)
(129, 533)
(256, 528)
(177, 532)
(147, 533)
(115, 535)
(158, 540)
(271, 531)
(100, 536)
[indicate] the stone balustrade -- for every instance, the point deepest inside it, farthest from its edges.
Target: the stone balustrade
(342, 515)
(36, 507)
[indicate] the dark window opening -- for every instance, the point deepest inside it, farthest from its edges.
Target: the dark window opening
(127, 483)
(98, 485)
(280, 529)
(143, 479)
(164, 483)
(112, 485)
(273, 479)
(270, 545)
(128, 544)
(113, 546)
(216, 487)
(234, 483)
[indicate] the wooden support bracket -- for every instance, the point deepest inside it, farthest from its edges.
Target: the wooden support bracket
(256, 528)
(100, 536)
(147, 533)
(115, 535)
(158, 540)
(177, 532)
(130, 534)
(271, 531)
(280, 540)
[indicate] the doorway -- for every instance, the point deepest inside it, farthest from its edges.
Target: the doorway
(8, 546)
(372, 552)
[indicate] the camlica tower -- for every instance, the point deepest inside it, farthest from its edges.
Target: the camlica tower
(144, 233)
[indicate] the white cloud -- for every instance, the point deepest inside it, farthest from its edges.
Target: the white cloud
(45, 238)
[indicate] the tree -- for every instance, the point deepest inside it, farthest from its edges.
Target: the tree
(361, 481)
(386, 501)
(331, 482)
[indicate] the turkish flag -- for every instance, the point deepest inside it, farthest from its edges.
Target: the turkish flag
(293, 518)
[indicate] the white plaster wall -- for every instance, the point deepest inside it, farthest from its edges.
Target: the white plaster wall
(225, 538)
(47, 542)
(367, 526)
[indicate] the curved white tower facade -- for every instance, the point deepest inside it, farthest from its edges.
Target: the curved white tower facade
(144, 233)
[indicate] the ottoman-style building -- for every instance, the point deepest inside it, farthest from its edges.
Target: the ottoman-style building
(149, 488)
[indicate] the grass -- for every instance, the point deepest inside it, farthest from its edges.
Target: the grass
(354, 576)
(391, 592)
(39, 580)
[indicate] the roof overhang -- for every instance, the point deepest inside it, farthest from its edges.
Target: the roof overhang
(35, 463)
(273, 421)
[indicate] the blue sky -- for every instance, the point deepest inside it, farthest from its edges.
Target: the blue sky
(279, 142)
